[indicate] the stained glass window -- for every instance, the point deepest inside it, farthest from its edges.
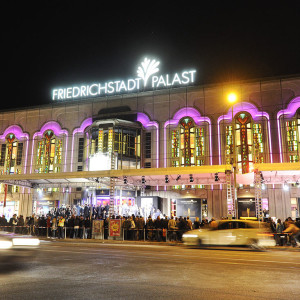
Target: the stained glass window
(291, 134)
(229, 144)
(258, 143)
(175, 143)
(187, 144)
(49, 153)
(100, 140)
(292, 140)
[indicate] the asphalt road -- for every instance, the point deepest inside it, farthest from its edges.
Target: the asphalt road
(117, 271)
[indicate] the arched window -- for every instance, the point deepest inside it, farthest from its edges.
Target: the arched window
(292, 136)
(249, 142)
(11, 155)
(187, 144)
(49, 153)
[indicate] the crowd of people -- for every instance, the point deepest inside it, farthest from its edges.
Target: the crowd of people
(285, 232)
(71, 223)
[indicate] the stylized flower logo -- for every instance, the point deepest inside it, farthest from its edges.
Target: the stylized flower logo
(148, 68)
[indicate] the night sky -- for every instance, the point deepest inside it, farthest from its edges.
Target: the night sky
(63, 43)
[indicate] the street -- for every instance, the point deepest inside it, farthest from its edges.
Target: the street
(78, 270)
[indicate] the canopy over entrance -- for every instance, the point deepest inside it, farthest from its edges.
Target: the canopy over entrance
(202, 175)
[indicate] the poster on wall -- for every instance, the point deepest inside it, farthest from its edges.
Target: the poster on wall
(189, 208)
(115, 227)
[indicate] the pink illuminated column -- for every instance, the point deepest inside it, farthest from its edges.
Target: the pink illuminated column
(145, 121)
(80, 130)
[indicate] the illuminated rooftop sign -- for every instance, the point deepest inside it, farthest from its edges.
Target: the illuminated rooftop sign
(147, 78)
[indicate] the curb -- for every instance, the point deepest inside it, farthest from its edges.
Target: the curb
(111, 241)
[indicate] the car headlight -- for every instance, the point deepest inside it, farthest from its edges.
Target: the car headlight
(5, 244)
(26, 242)
(190, 235)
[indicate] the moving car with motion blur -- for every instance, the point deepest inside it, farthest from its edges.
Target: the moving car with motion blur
(253, 234)
(16, 247)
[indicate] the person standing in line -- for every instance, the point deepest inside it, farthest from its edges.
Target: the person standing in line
(196, 224)
(61, 224)
(189, 223)
(279, 230)
(54, 227)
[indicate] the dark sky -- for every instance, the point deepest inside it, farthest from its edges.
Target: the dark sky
(61, 43)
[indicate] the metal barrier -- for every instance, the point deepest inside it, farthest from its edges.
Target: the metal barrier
(149, 234)
(152, 234)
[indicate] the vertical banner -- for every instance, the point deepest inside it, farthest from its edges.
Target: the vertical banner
(5, 195)
(115, 227)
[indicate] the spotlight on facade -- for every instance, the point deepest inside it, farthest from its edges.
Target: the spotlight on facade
(97, 180)
(143, 180)
(166, 179)
(232, 97)
(217, 177)
(178, 177)
(297, 184)
(191, 178)
(285, 186)
(125, 180)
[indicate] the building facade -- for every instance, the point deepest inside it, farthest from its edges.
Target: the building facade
(170, 149)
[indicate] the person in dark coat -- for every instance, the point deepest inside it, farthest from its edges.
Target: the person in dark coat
(196, 224)
(86, 211)
(76, 226)
(87, 228)
(149, 228)
(158, 229)
(71, 225)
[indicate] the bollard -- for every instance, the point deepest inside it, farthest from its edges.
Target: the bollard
(65, 232)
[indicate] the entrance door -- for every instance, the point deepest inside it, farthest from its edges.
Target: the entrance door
(246, 208)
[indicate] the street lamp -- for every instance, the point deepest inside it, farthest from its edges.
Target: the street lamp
(232, 98)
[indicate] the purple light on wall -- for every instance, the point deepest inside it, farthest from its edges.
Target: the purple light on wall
(255, 114)
(57, 130)
(87, 122)
(146, 122)
(20, 135)
(198, 119)
(289, 112)
(87, 150)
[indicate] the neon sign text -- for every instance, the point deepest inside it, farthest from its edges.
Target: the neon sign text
(145, 75)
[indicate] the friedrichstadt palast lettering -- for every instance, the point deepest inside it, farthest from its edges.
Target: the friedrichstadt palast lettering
(147, 71)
